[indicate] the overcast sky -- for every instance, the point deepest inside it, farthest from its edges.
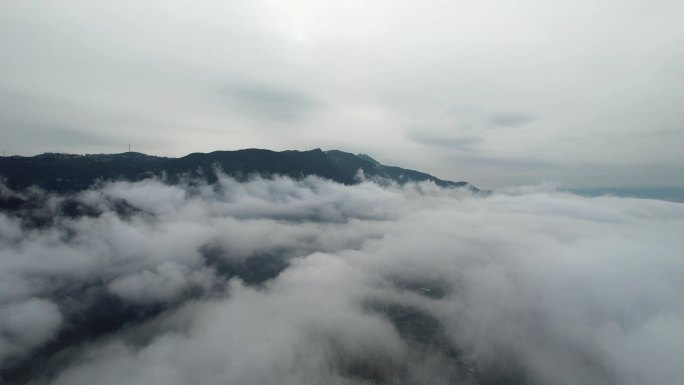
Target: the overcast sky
(585, 93)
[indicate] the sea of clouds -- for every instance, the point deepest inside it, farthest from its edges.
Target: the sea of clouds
(281, 281)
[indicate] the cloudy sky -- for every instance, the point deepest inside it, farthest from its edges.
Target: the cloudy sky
(586, 93)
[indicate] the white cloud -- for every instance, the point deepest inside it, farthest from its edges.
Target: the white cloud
(275, 280)
(26, 325)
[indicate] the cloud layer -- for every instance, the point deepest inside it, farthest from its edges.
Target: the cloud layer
(290, 282)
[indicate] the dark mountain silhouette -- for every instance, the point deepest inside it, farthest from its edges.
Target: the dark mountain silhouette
(351, 163)
(68, 173)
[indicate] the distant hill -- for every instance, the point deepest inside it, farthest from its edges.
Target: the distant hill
(350, 164)
(67, 172)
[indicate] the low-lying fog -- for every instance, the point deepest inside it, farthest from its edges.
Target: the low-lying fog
(277, 281)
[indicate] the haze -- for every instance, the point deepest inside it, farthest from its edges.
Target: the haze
(585, 93)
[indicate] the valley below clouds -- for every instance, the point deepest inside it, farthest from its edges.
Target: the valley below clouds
(275, 280)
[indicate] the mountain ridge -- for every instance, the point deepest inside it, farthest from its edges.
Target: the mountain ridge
(73, 172)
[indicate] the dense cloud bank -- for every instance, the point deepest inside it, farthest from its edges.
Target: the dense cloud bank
(310, 282)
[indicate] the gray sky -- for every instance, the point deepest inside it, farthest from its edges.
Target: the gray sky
(585, 93)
